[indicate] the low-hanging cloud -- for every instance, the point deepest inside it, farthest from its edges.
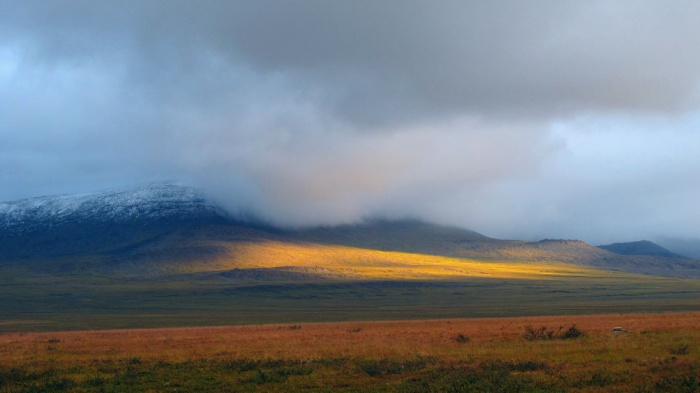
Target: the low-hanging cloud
(520, 119)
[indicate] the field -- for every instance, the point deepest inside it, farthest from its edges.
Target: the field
(658, 353)
(270, 315)
(50, 303)
(272, 282)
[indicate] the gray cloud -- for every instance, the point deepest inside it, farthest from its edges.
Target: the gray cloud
(520, 119)
(385, 60)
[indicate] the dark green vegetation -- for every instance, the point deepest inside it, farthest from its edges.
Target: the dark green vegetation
(30, 302)
(381, 375)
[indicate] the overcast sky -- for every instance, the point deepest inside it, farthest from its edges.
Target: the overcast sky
(517, 119)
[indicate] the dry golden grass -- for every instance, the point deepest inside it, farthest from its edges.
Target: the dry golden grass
(359, 263)
(336, 354)
(374, 339)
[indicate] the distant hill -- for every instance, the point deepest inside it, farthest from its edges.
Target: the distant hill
(643, 247)
(169, 228)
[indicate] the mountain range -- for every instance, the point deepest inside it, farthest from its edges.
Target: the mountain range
(169, 227)
(166, 255)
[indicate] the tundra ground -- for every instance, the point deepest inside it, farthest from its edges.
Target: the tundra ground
(657, 353)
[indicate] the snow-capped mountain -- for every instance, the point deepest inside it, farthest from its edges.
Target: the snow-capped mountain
(66, 223)
(147, 205)
(142, 230)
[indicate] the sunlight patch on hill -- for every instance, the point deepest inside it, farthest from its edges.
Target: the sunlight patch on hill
(349, 262)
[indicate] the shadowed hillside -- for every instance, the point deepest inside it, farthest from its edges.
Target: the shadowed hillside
(402, 235)
(167, 229)
(108, 222)
(643, 247)
(165, 256)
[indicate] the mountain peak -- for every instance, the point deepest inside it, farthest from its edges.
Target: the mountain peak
(64, 224)
(151, 203)
(641, 247)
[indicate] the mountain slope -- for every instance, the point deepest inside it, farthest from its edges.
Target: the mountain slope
(642, 247)
(164, 229)
(79, 224)
(166, 256)
(398, 235)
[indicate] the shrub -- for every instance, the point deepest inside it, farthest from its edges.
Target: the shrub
(279, 375)
(17, 375)
(379, 367)
(683, 349)
(260, 377)
(532, 334)
(544, 333)
(57, 385)
(571, 332)
(510, 366)
(462, 339)
(681, 383)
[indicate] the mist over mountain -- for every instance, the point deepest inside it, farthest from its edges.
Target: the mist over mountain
(684, 246)
(166, 227)
(523, 120)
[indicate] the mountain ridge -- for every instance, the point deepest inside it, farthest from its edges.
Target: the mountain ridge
(72, 224)
(144, 204)
(168, 226)
(641, 247)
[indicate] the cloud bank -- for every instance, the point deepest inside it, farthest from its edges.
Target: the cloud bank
(526, 120)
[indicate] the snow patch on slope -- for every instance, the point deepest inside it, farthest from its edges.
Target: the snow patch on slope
(147, 204)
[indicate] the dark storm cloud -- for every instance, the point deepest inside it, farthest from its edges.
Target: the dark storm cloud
(309, 112)
(386, 60)
(500, 58)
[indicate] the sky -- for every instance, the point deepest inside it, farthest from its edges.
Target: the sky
(521, 120)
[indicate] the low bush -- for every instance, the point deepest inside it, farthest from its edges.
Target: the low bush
(380, 367)
(462, 339)
(278, 375)
(682, 349)
(571, 332)
(545, 333)
(680, 383)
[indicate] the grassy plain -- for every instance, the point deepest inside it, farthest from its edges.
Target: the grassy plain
(76, 303)
(302, 312)
(660, 353)
(276, 282)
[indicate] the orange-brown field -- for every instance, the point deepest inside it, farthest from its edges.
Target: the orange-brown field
(660, 352)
